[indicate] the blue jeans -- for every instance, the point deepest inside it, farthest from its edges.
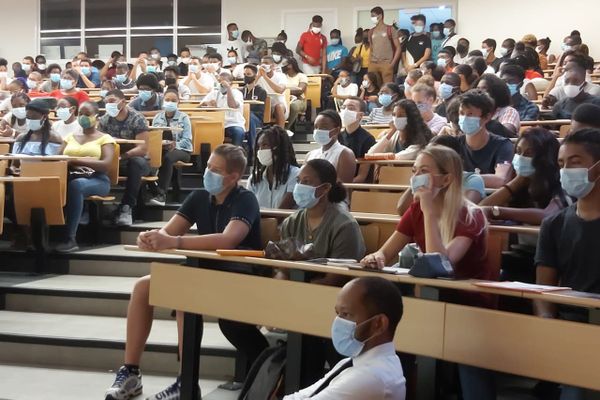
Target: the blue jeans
(476, 383)
(78, 189)
(255, 122)
(236, 134)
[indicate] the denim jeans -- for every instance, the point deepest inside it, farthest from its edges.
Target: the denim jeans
(255, 123)
(476, 383)
(134, 169)
(165, 173)
(236, 133)
(78, 189)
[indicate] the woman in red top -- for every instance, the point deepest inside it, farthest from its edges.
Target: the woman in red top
(68, 87)
(442, 220)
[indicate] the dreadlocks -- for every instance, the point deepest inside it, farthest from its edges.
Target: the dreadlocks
(283, 155)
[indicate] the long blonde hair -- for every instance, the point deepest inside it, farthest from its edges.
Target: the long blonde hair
(449, 163)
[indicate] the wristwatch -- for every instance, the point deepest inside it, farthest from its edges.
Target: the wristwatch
(496, 211)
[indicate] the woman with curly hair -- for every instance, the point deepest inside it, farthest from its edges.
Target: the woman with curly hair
(408, 133)
(275, 171)
(498, 90)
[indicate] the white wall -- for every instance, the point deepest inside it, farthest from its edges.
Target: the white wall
(477, 20)
(18, 30)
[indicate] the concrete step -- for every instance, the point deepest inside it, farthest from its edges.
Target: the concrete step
(26, 382)
(83, 341)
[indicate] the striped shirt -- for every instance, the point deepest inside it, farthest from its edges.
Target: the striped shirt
(377, 117)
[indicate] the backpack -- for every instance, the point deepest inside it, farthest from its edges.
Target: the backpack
(266, 376)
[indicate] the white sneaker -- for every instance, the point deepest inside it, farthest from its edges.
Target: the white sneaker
(171, 393)
(124, 216)
(126, 385)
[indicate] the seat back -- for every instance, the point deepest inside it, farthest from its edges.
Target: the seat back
(313, 91)
(208, 130)
(113, 173)
(27, 197)
(269, 231)
(374, 202)
(154, 143)
(370, 234)
(564, 130)
(396, 175)
(4, 148)
(47, 169)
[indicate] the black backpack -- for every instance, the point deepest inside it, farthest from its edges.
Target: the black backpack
(266, 376)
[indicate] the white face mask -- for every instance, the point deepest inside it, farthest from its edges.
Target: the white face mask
(400, 123)
(375, 20)
(265, 157)
(365, 84)
(315, 30)
(484, 52)
(348, 117)
(572, 90)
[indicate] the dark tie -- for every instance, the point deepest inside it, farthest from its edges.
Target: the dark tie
(327, 381)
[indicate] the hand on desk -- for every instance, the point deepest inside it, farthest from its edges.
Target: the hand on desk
(374, 260)
(156, 240)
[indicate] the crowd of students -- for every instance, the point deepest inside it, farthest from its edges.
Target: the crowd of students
(450, 108)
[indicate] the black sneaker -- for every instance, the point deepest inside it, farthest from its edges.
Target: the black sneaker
(127, 385)
(67, 247)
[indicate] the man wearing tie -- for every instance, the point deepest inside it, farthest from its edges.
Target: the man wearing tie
(368, 312)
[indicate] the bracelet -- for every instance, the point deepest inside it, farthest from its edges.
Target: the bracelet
(509, 189)
(178, 242)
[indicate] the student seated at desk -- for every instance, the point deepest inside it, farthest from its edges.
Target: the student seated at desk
(87, 177)
(122, 80)
(226, 216)
(297, 83)
(178, 145)
(149, 96)
(275, 170)
(68, 87)
(275, 84)
(482, 151)
(343, 87)
(424, 96)
(368, 311)
(123, 122)
(39, 139)
(442, 220)
(53, 83)
(408, 134)
(355, 137)
(226, 96)
(14, 123)
(328, 125)
(568, 251)
(473, 186)
(504, 113)
(369, 90)
(586, 116)
(389, 94)
(574, 90)
(67, 124)
(253, 92)
(172, 81)
(198, 81)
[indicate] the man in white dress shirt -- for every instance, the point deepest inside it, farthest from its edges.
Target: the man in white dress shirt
(368, 309)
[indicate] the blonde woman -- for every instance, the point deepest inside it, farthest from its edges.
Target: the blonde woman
(442, 220)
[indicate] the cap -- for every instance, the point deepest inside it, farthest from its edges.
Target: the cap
(39, 105)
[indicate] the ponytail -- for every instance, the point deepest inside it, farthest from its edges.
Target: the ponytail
(338, 193)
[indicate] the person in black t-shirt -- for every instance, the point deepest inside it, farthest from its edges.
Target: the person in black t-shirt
(253, 92)
(568, 251)
(418, 45)
(355, 137)
(226, 216)
(482, 151)
(488, 48)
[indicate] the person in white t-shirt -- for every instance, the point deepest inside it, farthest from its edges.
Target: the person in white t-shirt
(227, 97)
(197, 80)
(343, 87)
(297, 83)
(66, 111)
(424, 96)
(274, 84)
(14, 123)
(234, 42)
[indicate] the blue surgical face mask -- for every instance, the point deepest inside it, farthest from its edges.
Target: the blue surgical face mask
(121, 78)
(343, 333)
(150, 68)
(385, 99)
(441, 62)
(112, 109)
(145, 95)
(424, 107)
(213, 182)
(235, 34)
(66, 84)
(34, 124)
(435, 34)
(418, 181)
(85, 70)
(418, 28)
(446, 91)
(31, 84)
(55, 77)
(304, 195)
(469, 125)
(321, 136)
(335, 41)
(513, 88)
(170, 106)
(523, 165)
(63, 113)
(576, 181)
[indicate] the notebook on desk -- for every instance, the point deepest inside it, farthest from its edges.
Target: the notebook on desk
(353, 264)
(521, 286)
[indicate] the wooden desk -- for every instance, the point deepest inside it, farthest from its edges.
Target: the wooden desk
(12, 157)
(8, 140)
(547, 122)
(507, 342)
(130, 141)
(404, 163)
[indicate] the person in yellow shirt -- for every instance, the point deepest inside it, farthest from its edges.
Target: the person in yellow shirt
(361, 52)
(89, 176)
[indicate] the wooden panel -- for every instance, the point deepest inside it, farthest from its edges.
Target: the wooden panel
(376, 202)
(47, 169)
(313, 91)
(497, 243)
(370, 234)
(2, 200)
(27, 196)
(210, 132)
(154, 144)
(294, 306)
(396, 175)
(269, 230)
(564, 130)
(113, 173)
(553, 350)
(4, 148)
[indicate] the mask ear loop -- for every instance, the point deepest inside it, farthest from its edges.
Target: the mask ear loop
(370, 337)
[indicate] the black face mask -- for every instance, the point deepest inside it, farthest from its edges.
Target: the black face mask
(462, 48)
(249, 79)
(285, 69)
(170, 81)
(365, 40)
